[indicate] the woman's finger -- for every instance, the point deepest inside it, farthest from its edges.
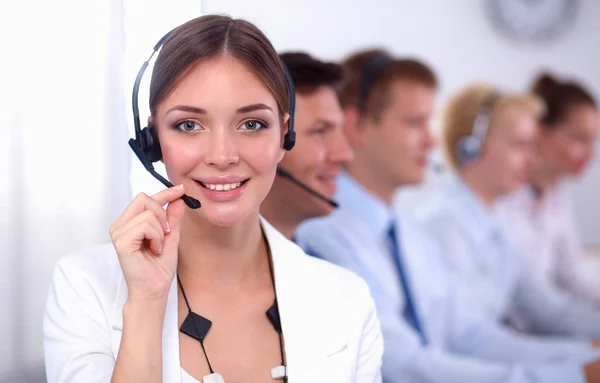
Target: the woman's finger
(143, 202)
(144, 230)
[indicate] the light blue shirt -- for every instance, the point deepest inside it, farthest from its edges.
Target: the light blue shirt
(354, 236)
(479, 248)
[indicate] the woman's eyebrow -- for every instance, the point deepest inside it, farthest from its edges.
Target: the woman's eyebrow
(187, 108)
(253, 108)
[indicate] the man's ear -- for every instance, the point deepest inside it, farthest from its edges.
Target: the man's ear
(352, 126)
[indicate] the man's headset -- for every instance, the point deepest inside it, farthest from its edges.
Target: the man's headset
(468, 148)
(372, 68)
(147, 147)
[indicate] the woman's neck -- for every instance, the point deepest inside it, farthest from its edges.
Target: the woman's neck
(222, 258)
(486, 196)
(279, 214)
(542, 179)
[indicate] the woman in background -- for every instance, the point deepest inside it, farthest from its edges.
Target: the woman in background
(540, 214)
(489, 138)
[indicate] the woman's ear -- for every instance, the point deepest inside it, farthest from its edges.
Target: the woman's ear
(286, 122)
(150, 120)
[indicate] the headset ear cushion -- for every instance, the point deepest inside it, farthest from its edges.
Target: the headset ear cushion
(468, 149)
(150, 144)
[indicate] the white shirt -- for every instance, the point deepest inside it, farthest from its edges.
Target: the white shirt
(187, 378)
(547, 235)
(330, 327)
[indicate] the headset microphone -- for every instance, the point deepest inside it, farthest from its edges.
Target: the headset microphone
(145, 145)
(287, 175)
(192, 203)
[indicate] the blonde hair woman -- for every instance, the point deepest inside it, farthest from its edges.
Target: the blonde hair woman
(489, 138)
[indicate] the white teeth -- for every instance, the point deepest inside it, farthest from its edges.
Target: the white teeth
(222, 187)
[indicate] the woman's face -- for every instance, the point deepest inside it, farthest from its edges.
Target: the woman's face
(221, 137)
(568, 147)
(508, 156)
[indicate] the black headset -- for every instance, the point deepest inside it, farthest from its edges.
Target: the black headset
(372, 68)
(146, 146)
(468, 148)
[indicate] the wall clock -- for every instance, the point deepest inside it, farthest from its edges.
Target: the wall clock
(532, 20)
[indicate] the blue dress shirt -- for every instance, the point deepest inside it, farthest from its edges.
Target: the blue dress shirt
(462, 344)
(480, 250)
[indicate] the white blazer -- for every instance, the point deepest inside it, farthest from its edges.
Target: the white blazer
(331, 330)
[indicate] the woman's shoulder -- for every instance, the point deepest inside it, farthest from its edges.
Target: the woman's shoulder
(100, 258)
(94, 267)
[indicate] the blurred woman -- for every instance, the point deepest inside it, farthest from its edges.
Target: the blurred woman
(540, 213)
(489, 139)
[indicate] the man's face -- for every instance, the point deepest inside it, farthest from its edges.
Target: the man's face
(397, 144)
(320, 153)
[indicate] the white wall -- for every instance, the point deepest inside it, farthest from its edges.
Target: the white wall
(65, 90)
(455, 37)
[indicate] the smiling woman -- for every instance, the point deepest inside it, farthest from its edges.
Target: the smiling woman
(219, 277)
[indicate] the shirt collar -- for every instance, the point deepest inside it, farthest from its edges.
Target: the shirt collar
(360, 202)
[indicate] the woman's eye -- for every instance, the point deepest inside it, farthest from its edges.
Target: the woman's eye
(253, 125)
(187, 126)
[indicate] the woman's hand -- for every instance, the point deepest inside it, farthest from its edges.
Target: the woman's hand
(146, 238)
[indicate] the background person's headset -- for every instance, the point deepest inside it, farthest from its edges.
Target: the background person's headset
(468, 148)
(372, 69)
(146, 146)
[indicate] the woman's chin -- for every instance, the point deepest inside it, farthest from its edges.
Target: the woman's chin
(223, 214)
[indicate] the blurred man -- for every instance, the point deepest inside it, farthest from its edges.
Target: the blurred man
(432, 330)
(305, 183)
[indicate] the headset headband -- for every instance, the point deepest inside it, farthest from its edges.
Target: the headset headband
(482, 119)
(372, 68)
(136, 86)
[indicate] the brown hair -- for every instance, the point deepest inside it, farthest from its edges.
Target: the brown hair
(309, 73)
(210, 37)
(462, 109)
(378, 96)
(559, 97)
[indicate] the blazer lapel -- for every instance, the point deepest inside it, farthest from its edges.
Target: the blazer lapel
(308, 337)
